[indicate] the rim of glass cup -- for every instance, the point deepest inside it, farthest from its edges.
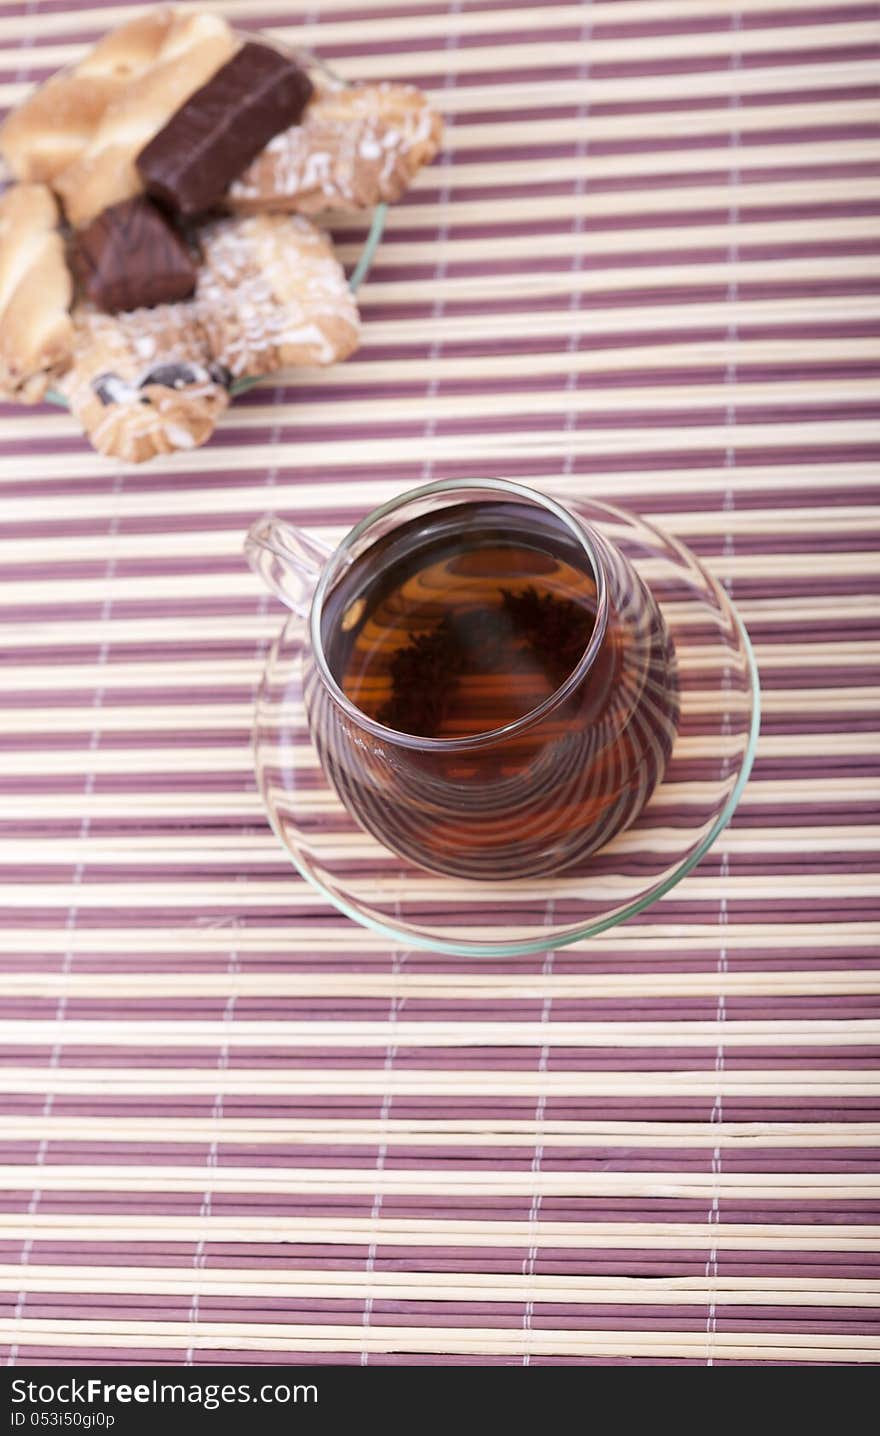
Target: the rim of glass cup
(337, 563)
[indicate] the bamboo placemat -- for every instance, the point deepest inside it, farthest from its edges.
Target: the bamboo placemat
(238, 1128)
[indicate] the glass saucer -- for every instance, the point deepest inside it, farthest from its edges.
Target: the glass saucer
(706, 774)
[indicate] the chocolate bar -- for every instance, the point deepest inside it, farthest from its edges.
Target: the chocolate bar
(222, 127)
(132, 257)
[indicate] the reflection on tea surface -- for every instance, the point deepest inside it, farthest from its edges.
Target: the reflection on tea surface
(464, 622)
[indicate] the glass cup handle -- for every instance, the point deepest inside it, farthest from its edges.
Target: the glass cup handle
(288, 561)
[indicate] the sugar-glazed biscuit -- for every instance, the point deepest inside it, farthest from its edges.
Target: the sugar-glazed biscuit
(270, 293)
(36, 333)
(57, 122)
(143, 383)
(104, 173)
(357, 145)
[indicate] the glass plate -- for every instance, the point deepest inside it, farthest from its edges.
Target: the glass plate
(707, 772)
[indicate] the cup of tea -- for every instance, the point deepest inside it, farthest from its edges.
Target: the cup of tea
(490, 687)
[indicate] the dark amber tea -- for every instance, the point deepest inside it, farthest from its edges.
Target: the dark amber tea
(463, 624)
(527, 680)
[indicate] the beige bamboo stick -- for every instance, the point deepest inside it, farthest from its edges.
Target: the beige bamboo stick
(440, 1232)
(684, 124)
(478, 984)
(787, 1187)
(153, 1033)
(238, 850)
(662, 242)
(197, 804)
(494, 1082)
(503, 173)
(639, 202)
(294, 895)
(264, 1336)
(211, 934)
(458, 1287)
(237, 757)
(486, 1131)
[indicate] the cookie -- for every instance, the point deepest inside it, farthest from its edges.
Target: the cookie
(104, 173)
(270, 293)
(52, 128)
(36, 289)
(357, 145)
(144, 383)
(57, 123)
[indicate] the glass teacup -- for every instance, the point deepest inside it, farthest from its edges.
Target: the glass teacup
(490, 688)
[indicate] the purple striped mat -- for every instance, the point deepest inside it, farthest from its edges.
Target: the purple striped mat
(234, 1126)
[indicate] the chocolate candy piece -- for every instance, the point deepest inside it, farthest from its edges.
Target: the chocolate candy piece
(132, 257)
(222, 127)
